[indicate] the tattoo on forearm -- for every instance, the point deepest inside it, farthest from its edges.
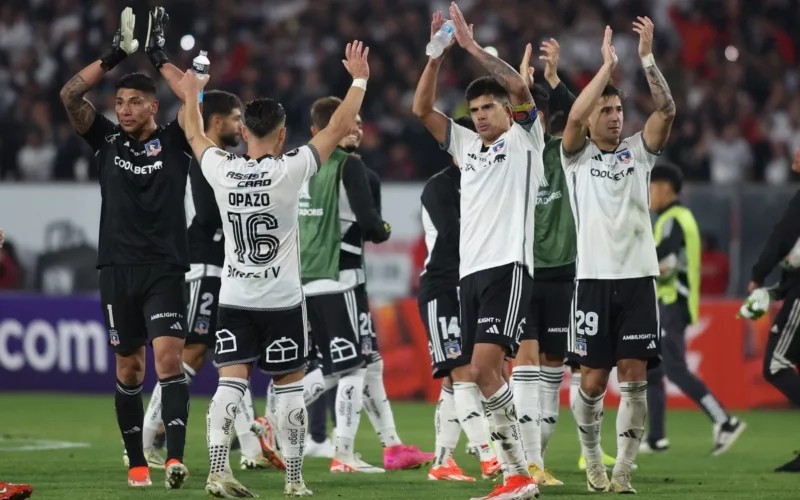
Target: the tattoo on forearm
(80, 111)
(501, 71)
(660, 90)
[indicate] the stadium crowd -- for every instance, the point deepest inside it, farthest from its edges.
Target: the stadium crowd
(732, 66)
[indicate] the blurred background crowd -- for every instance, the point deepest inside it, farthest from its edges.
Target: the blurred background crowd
(731, 64)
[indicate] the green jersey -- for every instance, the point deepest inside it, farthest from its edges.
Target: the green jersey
(555, 241)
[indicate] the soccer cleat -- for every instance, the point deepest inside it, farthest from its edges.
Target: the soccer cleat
(449, 472)
(297, 490)
(791, 466)
(659, 446)
(176, 475)
(490, 469)
(514, 488)
(354, 464)
(225, 486)
(139, 477)
(11, 491)
(608, 461)
(726, 434)
(259, 462)
(154, 460)
(621, 483)
(320, 450)
(269, 446)
(550, 480)
(402, 457)
(596, 477)
(537, 474)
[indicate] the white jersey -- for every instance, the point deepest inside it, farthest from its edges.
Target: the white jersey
(258, 203)
(610, 197)
(498, 193)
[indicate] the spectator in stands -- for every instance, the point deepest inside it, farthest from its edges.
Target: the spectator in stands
(715, 268)
(10, 270)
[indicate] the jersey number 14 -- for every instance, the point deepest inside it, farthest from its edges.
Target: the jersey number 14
(250, 234)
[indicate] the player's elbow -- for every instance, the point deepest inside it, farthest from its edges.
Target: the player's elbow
(65, 95)
(421, 110)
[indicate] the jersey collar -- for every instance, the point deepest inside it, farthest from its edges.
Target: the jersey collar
(260, 158)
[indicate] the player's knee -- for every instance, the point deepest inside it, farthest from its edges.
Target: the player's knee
(594, 382)
(527, 354)
(289, 378)
(461, 374)
(195, 356)
(130, 369)
(632, 370)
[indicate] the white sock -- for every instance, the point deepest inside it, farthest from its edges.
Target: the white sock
(448, 430)
(219, 421)
(292, 418)
(525, 382)
(313, 386)
(251, 447)
(469, 409)
(630, 424)
(190, 373)
(549, 396)
(574, 387)
(152, 419)
(506, 434)
(589, 416)
(377, 406)
(349, 403)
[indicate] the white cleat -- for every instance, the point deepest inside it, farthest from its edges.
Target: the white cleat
(319, 450)
(621, 483)
(659, 446)
(354, 463)
(297, 490)
(225, 486)
(154, 460)
(596, 477)
(255, 463)
(725, 435)
(176, 475)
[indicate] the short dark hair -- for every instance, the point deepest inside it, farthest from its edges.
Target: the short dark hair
(486, 85)
(218, 102)
(323, 109)
(466, 122)
(263, 116)
(612, 90)
(137, 81)
(541, 96)
(668, 173)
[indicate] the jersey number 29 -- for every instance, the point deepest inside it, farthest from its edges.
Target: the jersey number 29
(251, 237)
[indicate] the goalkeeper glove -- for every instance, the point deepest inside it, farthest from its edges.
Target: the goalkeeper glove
(154, 44)
(124, 44)
(756, 304)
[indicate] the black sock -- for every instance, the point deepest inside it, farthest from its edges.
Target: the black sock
(130, 417)
(175, 413)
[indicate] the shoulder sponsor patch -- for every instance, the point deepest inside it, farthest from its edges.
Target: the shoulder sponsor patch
(220, 152)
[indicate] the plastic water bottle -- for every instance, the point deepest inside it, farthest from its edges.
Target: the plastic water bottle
(440, 40)
(200, 66)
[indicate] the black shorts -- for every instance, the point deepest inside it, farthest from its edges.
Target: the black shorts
(613, 320)
(547, 319)
(277, 339)
(202, 310)
(441, 319)
(141, 303)
(783, 344)
(341, 334)
(493, 306)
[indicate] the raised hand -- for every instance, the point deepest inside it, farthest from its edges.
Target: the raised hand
(124, 37)
(355, 61)
(463, 31)
(609, 54)
(190, 85)
(551, 51)
(525, 68)
(644, 27)
(436, 23)
(156, 25)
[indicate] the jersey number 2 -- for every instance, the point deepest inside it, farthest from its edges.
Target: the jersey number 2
(251, 237)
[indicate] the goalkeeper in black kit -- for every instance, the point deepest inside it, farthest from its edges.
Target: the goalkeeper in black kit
(782, 355)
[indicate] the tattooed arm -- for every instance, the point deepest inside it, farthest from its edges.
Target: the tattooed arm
(658, 126)
(80, 111)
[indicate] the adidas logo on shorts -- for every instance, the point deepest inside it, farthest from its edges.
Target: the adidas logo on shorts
(652, 344)
(493, 329)
(176, 326)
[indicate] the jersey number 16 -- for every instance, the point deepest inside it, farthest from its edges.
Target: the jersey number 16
(251, 237)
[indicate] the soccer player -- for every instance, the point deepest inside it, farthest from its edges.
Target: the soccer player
(439, 310)
(262, 313)
(782, 356)
(615, 313)
(143, 252)
(678, 252)
(500, 166)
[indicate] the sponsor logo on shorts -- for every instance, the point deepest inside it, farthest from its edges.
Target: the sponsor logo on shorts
(639, 336)
(493, 329)
(282, 350)
(580, 347)
(558, 330)
(488, 320)
(342, 350)
(166, 315)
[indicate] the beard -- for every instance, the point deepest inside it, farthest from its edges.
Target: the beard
(229, 141)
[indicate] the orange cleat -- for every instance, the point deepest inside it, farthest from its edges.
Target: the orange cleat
(139, 477)
(10, 491)
(490, 469)
(449, 472)
(176, 474)
(514, 488)
(269, 445)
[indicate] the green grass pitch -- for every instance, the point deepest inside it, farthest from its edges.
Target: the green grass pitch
(96, 472)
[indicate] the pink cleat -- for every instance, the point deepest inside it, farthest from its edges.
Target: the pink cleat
(401, 457)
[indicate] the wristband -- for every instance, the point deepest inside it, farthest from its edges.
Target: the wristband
(360, 83)
(158, 57)
(112, 58)
(648, 61)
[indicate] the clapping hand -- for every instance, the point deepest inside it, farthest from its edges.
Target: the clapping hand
(463, 31)
(609, 54)
(525, 68)
(551, 51)
(355, 61)
(644, 27)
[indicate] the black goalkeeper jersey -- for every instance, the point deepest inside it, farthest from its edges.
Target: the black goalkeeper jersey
(206, 239)
(142, 183)
(441, 216)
